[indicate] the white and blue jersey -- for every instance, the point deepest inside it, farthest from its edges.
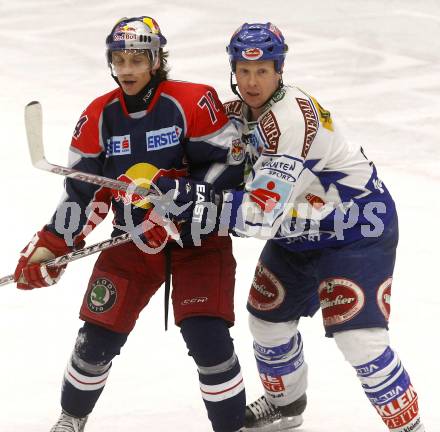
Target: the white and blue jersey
(332, 234)
(307, 187)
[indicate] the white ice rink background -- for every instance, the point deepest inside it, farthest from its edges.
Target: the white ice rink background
(375, 65)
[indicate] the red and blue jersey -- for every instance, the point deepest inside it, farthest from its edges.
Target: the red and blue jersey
(183, 132)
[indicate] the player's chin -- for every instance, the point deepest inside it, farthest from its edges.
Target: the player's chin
(130, 88)
(253, 101)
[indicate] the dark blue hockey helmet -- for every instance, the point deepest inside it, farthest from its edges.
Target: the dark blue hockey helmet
(257, 42)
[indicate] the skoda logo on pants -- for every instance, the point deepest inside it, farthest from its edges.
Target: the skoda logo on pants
(102, 296)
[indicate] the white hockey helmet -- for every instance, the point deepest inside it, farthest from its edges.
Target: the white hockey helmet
(136, 34)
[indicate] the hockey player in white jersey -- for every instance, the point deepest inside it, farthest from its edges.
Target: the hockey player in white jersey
(332, 233)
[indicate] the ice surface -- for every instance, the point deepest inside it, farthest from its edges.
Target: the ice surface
(374, 64)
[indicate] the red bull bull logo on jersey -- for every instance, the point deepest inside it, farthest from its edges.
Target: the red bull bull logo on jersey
(142, 175)
(125, 196)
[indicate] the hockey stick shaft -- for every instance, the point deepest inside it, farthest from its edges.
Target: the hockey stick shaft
(78, 254)
(34, 129)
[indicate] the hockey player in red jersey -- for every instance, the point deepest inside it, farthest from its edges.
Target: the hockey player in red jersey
(147, 129)
(332, 230)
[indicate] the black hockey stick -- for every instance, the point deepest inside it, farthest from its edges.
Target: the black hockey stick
(78, 254)
(33, 116)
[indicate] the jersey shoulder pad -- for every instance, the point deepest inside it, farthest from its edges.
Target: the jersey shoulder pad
(282, 125)
(233, 108)
(306, 102)
(85, 138)
(298, 120)
(200, 105)
(98, 104)
(185, 91)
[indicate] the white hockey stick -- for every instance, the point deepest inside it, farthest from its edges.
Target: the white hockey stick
(78, 254)
(33, 116)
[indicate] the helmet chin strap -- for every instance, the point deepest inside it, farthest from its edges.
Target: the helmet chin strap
(234, 88)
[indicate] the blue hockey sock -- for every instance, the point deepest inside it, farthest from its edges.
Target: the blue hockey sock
(88, 368)
(221, 382)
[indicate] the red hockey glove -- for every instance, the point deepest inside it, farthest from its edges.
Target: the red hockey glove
(154, 231)
(29, 273)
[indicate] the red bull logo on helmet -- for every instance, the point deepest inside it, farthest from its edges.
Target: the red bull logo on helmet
(252, 53)
(125, 32)
(152, 24)
(127, 28)
(124, 36)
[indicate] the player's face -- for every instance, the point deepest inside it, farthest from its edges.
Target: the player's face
(132, 69)
(257, 81)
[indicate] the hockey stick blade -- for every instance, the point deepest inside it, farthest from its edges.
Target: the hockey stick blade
(33, 115)
(6, 280)
(34, 131)
(78, 254)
